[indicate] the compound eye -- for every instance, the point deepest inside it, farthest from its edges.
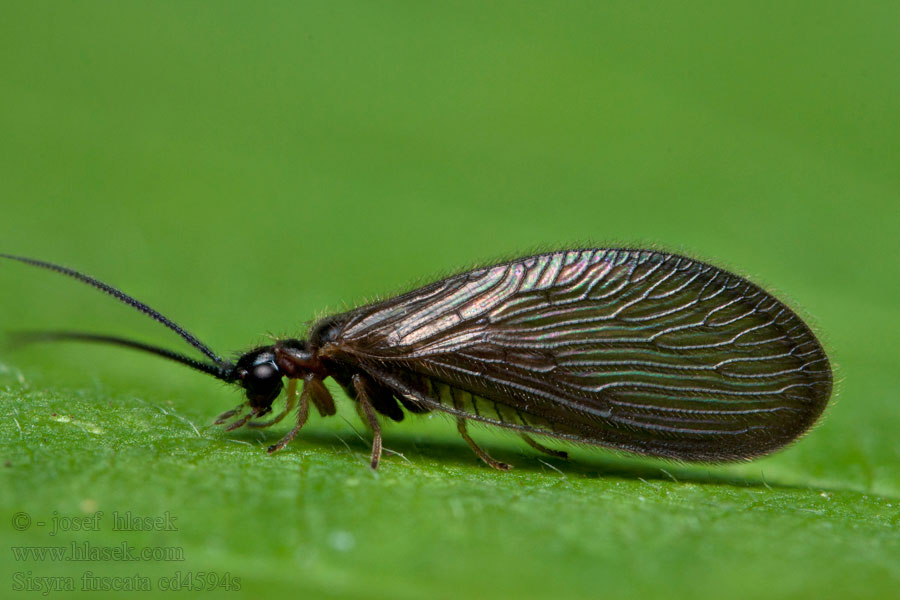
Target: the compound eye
(265, 372)
(263, 384)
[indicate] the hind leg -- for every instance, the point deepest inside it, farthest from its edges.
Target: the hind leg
(542, 448)
(493, 463)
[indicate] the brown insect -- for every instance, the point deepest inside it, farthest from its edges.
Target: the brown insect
(635, 350)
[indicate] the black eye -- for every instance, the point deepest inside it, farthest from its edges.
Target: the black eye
(264, 372)
(263, 384)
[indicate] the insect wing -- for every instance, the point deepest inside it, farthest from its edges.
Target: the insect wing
(638, 350)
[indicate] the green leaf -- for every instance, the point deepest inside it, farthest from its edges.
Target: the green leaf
(246, 168)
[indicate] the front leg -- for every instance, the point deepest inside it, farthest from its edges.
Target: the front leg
(365, 403)
(302, 416)
(321, 397)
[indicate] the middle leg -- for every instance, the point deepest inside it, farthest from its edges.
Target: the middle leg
(366, 404)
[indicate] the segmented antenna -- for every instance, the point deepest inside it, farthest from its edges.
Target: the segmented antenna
(125, 298)
(225, 373)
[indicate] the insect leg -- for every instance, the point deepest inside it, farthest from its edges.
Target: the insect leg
(362, 395)
(242, 421)
(496, 464)
(456, 395)
(542, 448)
(289, 404)
(321, 397)
(220, 420)
(302, 415)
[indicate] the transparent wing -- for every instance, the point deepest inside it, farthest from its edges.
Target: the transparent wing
(638, 350)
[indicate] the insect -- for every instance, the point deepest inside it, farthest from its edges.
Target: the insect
(635, 350)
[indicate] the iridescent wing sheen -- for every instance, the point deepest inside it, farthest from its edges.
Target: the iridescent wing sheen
(637, 350)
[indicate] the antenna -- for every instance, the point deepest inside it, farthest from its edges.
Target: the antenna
(225, 373)
(222, 365)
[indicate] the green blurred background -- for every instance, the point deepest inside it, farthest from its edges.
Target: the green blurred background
(246, 168)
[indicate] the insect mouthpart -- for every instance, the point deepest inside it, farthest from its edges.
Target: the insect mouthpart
(259, 375)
